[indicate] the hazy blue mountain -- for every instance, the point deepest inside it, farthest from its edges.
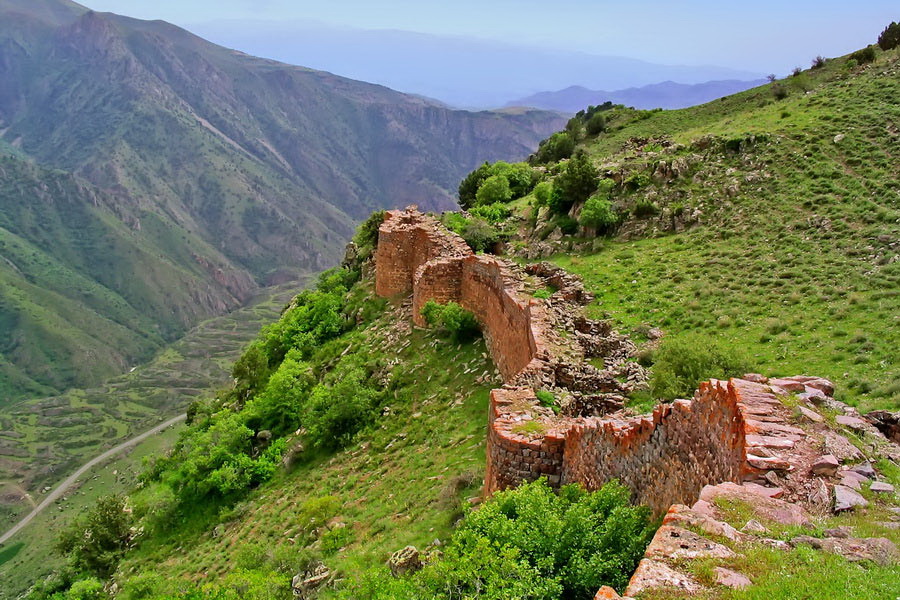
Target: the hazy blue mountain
(667, 94)
(460, 71)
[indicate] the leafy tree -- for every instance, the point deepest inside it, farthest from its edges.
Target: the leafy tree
(596, 124)
(480, 235)
(575, 184)
(495, 189)
(280, 405)
(555, 148)
(890, 37)
(366, 237)
(683, 362)
(96, 542)
(521, 177)
(542, 193)
(337, 410)
(598, 213)
(468, 187)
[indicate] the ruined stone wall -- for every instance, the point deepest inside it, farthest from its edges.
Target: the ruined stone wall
(406, 241)
(665, 458)
(417, 255)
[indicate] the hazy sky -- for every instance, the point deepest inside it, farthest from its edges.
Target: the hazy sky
(761, 35)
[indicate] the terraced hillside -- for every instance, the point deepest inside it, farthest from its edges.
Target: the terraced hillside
(42, 440)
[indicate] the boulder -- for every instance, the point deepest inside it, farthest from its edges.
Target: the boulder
(880, 550)
(731, 579)
(754, 526)
(838, 446)
(305, 586)
(880, 487)
(682, 516)
(607, 593)
(765, 508)
(865, 469)
(854, 423)
(847, 499)
(788, 385)
(826, 466)
(852, 479)
(888, 423)
(405, 561)
(810, 415)
(651, 574)
(675, 542)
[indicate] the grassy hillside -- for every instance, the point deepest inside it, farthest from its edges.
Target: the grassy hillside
(771, 223)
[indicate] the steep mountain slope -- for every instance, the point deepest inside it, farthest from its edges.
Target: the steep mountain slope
(198, 173)
(667, 94)
(768, 219)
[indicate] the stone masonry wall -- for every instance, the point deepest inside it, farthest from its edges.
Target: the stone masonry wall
(664, 458)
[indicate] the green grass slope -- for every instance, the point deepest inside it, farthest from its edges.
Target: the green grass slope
(793, 256)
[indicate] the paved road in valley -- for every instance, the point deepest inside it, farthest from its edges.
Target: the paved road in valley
(62, 487)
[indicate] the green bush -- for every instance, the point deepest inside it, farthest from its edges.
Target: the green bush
(338, 409)
(530, 543)
(452, 319)
(682, 363)
(480, 235)
(598, 213)
(596, 124)
(566, 224)
(645, 208)
(95, 542)
(557, 147)
(366, 238)
(492, 213)
(494, 189)
(864, 56)
(575, 184)
(890, 37)
(542, 193)
(468, 187)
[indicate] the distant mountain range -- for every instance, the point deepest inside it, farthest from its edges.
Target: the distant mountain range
(150, 179)
(460, 71)
(667, 94)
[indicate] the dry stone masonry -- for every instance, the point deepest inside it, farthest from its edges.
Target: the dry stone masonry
(735, 439)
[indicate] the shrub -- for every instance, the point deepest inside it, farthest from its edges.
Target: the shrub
(86, 589)
(468, 187)
(366, 237)
(555, 148)
(479, 235)
(95, 542)
(890, 37)
(864, 56)
(779, 91)
(452, 319)
(598, 213)
(818, 62)
(596, 124)
(575, 184)
(494, 189)
(545, 398)
(542, 193)
(521, 177)
(796, 71)
(566, 224)
(492, 213)
(645, 208)
(682, 363)
(637, 181)
(339, 409)
(530, 543)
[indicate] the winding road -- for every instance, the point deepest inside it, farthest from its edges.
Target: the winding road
(59, 490)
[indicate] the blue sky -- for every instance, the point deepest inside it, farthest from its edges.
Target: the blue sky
(761, 35)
